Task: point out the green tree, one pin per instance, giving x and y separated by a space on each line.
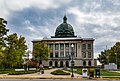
40 52
14 51
109 56
3 35
3 31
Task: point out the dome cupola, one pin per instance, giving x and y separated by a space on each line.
64 29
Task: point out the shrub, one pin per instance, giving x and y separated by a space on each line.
60 72
20 72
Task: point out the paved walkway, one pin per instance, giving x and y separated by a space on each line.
48 73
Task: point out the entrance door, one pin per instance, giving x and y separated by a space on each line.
67 64
61 63
56 64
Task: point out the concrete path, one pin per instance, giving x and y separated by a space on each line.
48 73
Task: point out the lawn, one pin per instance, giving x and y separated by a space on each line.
108 73
13 72
102 72
6 71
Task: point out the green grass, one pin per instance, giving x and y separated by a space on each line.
60 72
102 72
46 68
79 71
20 72
108 73
6 71
13 72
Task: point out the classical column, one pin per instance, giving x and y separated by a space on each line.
53 50
59 50
69 49
64 50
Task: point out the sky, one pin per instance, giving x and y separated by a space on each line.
98 19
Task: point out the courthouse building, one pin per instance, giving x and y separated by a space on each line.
61 51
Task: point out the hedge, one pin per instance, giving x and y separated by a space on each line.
60 72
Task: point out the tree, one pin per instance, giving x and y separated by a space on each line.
14 51
109 56
3 34
40 52
3 31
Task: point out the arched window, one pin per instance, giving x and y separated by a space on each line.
50 63
67 64
61 63
56 64
89 63
84 63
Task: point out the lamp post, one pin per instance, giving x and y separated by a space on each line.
116 58
72 53
28 59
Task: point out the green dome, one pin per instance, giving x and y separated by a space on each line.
64 29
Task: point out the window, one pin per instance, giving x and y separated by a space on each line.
56 46
89 54
84 54
89 63
67 47
56 54
67 54
51 46
61 54
50 63
84 46
84 63
61 46
51 55
61 63
67 63
89 46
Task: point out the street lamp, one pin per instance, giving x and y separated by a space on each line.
72 53
116 58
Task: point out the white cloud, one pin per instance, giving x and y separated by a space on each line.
103 26
7 6
98 18
95 18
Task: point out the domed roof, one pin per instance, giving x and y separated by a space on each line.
64 29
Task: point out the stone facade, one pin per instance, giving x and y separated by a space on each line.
61 50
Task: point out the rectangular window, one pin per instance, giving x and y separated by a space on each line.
67 54
89 54
56 54
89 46
84 54
61 46
61 54
56 46
66 46
51 55
84 46
51 46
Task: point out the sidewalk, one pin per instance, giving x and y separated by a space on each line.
47 75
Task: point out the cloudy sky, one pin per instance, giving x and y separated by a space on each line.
98 19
